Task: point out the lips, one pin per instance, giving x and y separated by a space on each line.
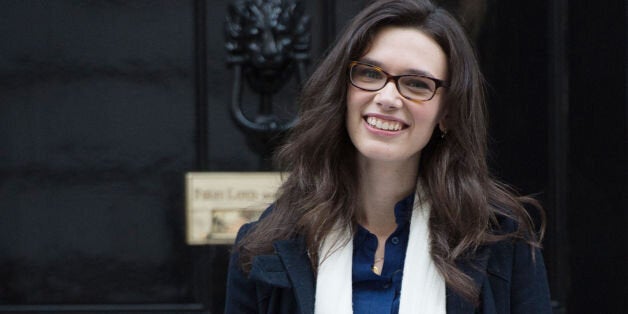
383 124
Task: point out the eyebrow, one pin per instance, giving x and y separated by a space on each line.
406 72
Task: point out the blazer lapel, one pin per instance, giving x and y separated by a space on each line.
297 264
476 269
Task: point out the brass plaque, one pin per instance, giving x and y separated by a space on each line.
219 203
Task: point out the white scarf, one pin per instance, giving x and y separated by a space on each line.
422 286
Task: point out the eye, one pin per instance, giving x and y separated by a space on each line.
368 73
417 83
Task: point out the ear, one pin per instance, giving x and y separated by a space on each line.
443 122
442 127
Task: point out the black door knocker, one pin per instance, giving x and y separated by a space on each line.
267 41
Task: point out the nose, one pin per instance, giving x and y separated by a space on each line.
388 97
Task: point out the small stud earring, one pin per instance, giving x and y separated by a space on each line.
443 134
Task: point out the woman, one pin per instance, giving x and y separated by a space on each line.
389 206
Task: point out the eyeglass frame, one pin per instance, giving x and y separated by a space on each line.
438 83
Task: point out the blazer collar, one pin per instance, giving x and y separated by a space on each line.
476 269
294 256
296 263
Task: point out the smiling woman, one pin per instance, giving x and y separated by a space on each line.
389 206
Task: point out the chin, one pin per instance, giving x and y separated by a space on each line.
386 155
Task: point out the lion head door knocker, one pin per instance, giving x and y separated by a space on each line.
267 41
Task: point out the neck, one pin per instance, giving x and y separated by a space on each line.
382 185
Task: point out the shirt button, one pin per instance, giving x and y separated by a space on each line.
394 240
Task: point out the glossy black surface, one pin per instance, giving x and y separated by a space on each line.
97 125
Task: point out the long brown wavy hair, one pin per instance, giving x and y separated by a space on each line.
322 188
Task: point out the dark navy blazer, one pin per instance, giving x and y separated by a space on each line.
283 282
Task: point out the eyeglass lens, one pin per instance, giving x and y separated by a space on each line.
410 86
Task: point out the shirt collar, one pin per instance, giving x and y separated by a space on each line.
403 209
403 213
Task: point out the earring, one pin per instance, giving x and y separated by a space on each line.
443 134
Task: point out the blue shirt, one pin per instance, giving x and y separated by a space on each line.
380 294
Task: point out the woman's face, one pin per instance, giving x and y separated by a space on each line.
383 125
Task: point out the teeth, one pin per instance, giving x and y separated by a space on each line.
384 124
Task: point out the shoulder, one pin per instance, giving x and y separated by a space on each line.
242 293
516 273
502 252
247 227
515 244
504 223
267 287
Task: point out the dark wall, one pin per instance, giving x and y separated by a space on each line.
518 92
598 150
557 99
100 108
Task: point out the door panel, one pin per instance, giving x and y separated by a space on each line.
96 130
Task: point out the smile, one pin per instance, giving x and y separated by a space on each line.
385 125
